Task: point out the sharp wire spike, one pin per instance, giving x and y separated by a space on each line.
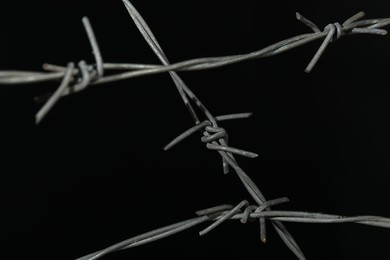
231 150
308 23
354 18
56 96
321 50
95 46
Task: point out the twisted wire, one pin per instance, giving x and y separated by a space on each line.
51 72
243 212
216 138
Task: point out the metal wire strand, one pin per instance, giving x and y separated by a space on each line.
219 214
202 125
352 25
220 134
56 96
95 46
86 75
228 215
148 237
212 62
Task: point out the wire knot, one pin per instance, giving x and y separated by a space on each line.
241 211
216 138
336 31
212 133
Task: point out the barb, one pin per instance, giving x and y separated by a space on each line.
222 213
56 96
74 80
335 31
202 125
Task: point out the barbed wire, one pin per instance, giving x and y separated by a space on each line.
243 212
75 79
93 74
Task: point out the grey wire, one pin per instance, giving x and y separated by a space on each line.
151 40
248 183
186 134
248 210
307 22
233 116
260 199
231 150
319 218
182 87
228 212
142 26
203 124
226 216
321 50
265 205
354 18
85 79
369 31
213 210
56 96
212 62
351 26
65 87
15 77
95 46
215 137
228 158
148 237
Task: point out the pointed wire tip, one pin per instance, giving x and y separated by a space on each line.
357 16
249 114
37 120
85 19
298 15
226 170
354 18
361 14
263 240
167 147
253 155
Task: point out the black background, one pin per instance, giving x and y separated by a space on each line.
93 172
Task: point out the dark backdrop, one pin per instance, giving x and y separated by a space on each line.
94 173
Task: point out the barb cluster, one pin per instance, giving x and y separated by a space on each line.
75 79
